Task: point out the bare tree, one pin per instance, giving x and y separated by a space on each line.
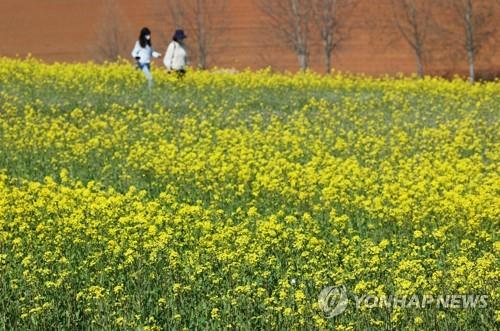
111 35
414 21
473 25
204 20
291 21
332 20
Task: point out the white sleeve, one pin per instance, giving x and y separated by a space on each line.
169 54
136 50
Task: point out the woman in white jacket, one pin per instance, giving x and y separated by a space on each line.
176 55
143 53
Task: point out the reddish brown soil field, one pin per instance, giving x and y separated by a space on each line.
61 30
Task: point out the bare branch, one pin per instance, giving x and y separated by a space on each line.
204 20
111 34
415 23
473 26
291 21
332 19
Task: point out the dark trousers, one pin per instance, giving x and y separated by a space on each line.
179 73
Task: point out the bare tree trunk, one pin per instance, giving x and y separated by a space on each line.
472 71
202 56
331 18
420 65
470 40
328 61
414 21
291 22
419 53
473 25
303 61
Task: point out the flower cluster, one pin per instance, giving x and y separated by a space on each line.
229 201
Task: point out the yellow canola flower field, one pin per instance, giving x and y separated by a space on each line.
230 201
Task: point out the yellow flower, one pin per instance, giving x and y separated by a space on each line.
232 187
215 313
299 296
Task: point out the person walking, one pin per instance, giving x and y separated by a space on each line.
143 53
176 55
